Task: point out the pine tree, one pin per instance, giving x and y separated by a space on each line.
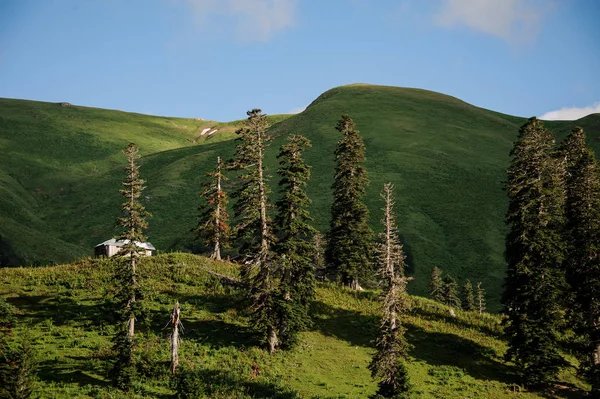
480 304
128 294
295 248
436 285
468 298
450 292
388 364
350 239
212 223
18 368
582 263
253 225
535 284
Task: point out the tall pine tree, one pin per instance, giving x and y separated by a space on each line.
582 263
468 298
450 292
349 246
388 364
436 285
212 223
535 284
127 290
253 225
295 247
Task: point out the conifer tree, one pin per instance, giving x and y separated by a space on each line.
18 368
582 263
436 285
128 294
212 223
253 224
468 298
535 284
388 364
450 292
480 304
295 247
350 239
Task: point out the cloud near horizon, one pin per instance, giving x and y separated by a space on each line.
512 20
296 110
571 113
253 19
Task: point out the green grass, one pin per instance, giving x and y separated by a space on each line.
61 169
63 309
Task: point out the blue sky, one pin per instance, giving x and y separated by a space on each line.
215 59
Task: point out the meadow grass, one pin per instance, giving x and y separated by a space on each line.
64 309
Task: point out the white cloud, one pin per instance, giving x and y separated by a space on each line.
253 19
296 110
570 114
513 20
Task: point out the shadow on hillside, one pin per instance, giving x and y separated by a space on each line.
223 382
435 348
443 316
443 349
61 310
217 332
565 391
354 327
68 373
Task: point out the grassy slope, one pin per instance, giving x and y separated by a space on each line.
447 160
61 169
62 309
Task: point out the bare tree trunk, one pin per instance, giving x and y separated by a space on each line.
217 251
389 261
355 285
596 356
272 339
133 282
175 324
263 201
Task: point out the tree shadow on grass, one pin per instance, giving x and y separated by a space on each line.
224 383
217 332
64 372
435 348
565 391
443 349
348 325
61 310
441 313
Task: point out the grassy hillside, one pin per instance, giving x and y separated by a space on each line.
61 169
62 309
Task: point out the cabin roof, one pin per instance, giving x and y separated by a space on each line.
119 243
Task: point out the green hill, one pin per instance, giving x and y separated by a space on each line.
62 310
61 169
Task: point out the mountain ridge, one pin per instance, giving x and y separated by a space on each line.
62 170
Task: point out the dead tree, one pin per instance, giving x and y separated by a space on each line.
388 364
176 325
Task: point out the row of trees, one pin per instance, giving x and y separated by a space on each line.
553 254
444 289
280 256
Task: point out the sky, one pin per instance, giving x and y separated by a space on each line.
216 59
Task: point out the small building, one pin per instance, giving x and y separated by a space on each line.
110 248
